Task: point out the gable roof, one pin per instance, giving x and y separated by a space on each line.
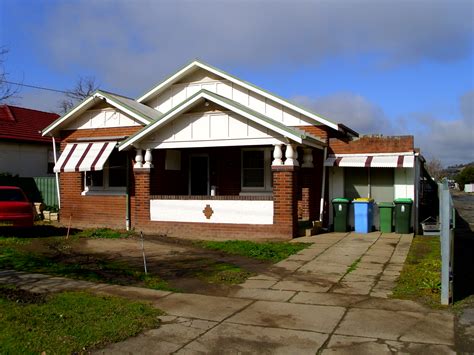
282 101
292 133
140 112
24 124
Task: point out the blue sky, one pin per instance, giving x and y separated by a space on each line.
390 67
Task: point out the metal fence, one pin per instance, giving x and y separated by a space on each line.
447 223
48 190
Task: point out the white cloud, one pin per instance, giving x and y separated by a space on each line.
449 140
132 44
353 110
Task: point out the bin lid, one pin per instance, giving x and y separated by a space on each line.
386 204
340 200
403 200
363 200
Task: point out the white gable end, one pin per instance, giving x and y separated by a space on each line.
102 118
211 129
195 81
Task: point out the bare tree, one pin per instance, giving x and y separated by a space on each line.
7 91
84 87
435 169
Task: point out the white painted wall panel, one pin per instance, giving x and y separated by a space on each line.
219 126
404 180
180 92
106 118
224 211
209 128
23 159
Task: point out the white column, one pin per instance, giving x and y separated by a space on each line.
291 155
138 159
277 155
307 158
148 159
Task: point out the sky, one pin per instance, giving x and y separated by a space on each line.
379 66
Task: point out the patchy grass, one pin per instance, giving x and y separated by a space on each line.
69 322
77 266
222 273
269 251
105 233
353 266
420 279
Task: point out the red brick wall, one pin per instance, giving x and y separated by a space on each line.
371 144
89 210
71 135
285 208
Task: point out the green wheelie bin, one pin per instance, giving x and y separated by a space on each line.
341 214
386 216
403 215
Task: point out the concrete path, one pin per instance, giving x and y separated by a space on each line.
329 298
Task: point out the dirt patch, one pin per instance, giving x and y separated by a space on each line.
21 296
180 264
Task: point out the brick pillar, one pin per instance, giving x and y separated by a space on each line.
285 206
142 197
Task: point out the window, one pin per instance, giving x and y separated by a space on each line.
256 170
112 179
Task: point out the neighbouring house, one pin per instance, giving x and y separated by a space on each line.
205 154
24 151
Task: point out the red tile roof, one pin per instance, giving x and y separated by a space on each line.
24 124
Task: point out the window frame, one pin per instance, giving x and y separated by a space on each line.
267 172
105 189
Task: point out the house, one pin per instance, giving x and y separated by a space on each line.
23 150
204 153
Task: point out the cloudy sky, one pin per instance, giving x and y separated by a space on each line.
390 67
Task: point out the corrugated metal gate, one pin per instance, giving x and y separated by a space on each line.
447 223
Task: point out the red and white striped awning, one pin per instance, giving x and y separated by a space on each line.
84 156
372 161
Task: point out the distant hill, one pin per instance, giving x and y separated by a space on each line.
453 170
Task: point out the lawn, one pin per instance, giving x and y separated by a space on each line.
269 251
420 279
69 322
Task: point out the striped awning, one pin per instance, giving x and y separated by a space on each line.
84 156
372 161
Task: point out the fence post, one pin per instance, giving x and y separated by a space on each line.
445 240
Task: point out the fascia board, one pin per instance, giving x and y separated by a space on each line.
82 106
166 118
245 114
202 94
244 84
165 83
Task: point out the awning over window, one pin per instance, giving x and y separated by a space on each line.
371 161
84 156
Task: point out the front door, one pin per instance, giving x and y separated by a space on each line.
199 175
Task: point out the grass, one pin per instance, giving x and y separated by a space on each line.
269 251
69 322
420 279
353 266
67 264
223 273
104 233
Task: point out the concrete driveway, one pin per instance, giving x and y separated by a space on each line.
328 298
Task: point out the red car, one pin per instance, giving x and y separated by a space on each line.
15 209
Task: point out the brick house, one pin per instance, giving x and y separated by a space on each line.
205 154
